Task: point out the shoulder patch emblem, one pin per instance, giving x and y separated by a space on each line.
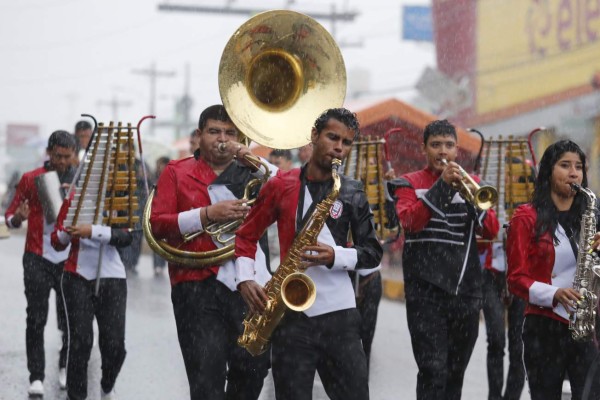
336 209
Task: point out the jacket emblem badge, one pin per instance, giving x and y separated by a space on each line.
336 209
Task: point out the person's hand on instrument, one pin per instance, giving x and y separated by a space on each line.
319 254
80 231
254 295
226 210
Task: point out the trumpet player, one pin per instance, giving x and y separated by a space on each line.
442 273
192 194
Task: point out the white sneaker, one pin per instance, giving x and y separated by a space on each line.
566 387
108 396
62 378
36 389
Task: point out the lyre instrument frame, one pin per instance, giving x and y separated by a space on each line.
368 161
94 132
109 183
505 164
477 165
530 144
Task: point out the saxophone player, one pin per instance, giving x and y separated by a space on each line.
324 338
191 194
542 249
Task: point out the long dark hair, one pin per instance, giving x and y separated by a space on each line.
547 213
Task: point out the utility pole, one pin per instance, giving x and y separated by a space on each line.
153 74
181 122
114 105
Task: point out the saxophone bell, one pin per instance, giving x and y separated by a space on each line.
298 291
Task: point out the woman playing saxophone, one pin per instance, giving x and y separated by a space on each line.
542 253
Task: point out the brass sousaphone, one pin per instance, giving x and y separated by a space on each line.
278 71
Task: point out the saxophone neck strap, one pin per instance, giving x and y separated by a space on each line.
322 189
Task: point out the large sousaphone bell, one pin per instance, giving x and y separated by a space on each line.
278 72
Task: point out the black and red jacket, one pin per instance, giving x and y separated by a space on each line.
279 201
440 233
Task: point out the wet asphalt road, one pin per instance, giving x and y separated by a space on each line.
154 368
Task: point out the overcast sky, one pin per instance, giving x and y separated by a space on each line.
61 58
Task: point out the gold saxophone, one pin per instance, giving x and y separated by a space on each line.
289 287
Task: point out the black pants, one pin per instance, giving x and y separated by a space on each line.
443 330
209 320
367 302
549 353
109 309
494 313
130 255
328 344
40 276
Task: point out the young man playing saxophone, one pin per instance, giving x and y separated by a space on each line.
324 338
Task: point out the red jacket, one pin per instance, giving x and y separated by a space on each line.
529 261
350 213
182 186
26 190
439 229
37 241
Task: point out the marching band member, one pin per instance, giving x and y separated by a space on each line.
501 309
324 338
191 194
91 244
42 265
442 273
542 248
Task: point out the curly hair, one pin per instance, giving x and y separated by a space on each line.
343 115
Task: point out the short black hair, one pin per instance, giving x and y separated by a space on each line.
163 160
439 127
216 112
343 115
61 139
82 126
281 153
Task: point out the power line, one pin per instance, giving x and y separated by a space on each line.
344 16
333 16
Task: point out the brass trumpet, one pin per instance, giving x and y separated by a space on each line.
482 197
